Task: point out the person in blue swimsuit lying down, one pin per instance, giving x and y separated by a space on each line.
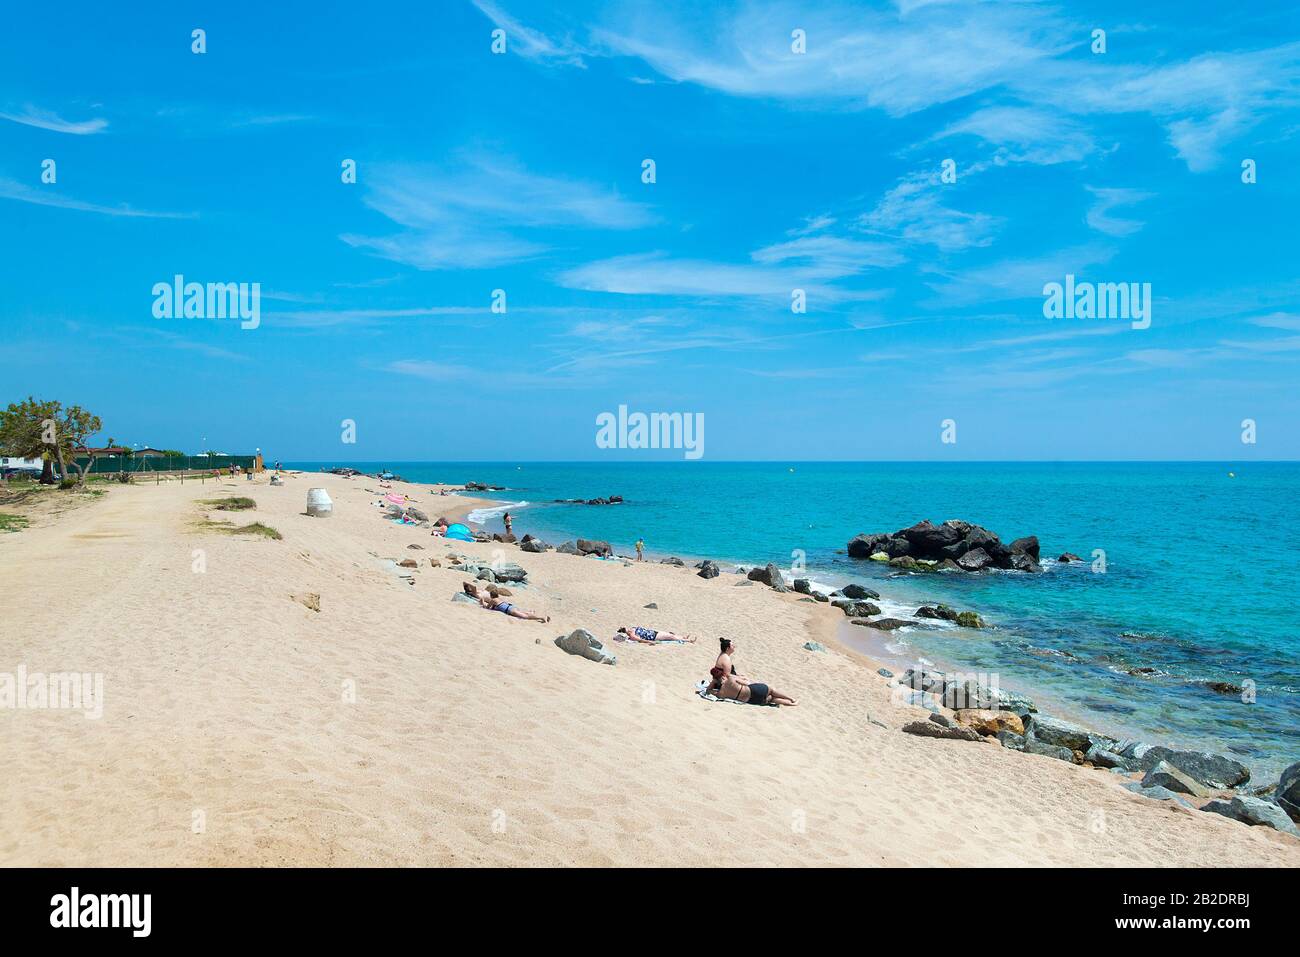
649 636
494 601
726 683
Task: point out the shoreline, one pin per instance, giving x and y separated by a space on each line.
323 709
833 628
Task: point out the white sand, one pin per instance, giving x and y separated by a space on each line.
473 739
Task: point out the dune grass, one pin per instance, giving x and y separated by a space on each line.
239 503
12 523
230 528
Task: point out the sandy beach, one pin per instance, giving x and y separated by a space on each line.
396 727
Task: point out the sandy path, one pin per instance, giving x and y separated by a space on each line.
472 739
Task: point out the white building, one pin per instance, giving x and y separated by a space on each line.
10 462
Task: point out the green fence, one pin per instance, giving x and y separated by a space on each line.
148 464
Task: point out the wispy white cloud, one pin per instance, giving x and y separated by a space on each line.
45 120
830 256
896 61
657 273
1099 218
914 211
531 43
1204 102
326 318
470 216
12 189
1017 278
1025 134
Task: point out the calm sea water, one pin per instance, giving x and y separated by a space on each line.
1198 580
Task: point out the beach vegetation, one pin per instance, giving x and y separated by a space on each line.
257 528
230 528
12 523
240 503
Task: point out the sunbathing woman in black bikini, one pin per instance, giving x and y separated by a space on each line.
727 684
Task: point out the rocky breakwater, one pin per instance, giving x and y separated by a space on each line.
952 546
963 709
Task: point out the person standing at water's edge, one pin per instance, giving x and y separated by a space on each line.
506 518
640 549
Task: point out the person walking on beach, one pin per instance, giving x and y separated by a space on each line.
640 549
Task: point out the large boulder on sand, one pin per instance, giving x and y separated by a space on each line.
510 572
1211 770
1253 811
583 643
708 569
929 729
589 547
1061 734
770 575
989 723
1167 776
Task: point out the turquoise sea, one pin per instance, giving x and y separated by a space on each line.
1198 581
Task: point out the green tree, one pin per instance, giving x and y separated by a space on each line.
24 429
32 427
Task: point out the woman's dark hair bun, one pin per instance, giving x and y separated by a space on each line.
724 644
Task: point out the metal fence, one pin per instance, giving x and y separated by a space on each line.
148 464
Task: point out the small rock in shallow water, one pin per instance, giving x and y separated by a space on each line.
1287 792
857 591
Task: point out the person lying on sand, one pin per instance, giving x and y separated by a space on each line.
493 601
650 636
727 684
745 691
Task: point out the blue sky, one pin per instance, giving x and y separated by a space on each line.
775 170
